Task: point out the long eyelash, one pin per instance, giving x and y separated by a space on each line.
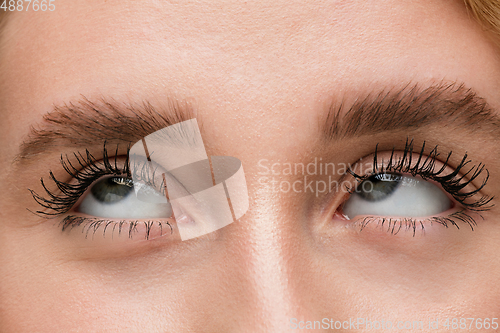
91 170
92 225
395 225
425 167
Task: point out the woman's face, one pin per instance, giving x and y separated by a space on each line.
283 87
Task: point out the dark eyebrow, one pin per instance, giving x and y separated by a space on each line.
86 123
411 107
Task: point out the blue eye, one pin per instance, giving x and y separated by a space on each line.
395 195
115 197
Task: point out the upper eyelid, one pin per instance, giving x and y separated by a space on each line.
405 159
84 171
454 178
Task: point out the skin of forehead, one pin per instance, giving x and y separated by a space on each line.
224 57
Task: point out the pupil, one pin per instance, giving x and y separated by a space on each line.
112 189
378 187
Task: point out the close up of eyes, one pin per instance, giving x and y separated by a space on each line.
407 192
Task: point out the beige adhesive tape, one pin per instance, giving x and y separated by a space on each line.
174 159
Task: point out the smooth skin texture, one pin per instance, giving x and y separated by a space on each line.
260 77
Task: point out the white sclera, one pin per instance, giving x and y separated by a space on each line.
130 207
412 198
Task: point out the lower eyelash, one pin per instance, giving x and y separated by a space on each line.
395 225
93 225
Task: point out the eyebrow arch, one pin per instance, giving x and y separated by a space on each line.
409 108
86 123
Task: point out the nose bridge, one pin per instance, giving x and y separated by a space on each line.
270 251
269 276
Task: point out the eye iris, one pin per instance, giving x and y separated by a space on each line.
378 187
113 189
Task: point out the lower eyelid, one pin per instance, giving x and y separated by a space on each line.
455 218
135 230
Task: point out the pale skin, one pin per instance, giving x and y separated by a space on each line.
259 77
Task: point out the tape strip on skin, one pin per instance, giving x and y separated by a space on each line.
174 158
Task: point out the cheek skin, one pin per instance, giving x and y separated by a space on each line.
406 277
